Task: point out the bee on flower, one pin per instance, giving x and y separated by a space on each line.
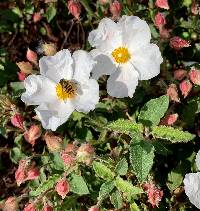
64 85
123 51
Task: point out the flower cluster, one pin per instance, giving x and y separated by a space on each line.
122 50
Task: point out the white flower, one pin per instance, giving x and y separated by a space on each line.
192 184
124 52
62 87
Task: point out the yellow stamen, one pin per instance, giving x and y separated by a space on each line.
121 55
66 89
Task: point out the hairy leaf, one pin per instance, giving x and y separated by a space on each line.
121 167
116 199
105 189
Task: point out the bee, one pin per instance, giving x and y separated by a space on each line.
68 87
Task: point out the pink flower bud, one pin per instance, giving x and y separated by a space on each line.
68 159
32 173
164 33
17 120
62 187
169 119
25 67
37 17
115 9
30 207
47 208
10 204
32 134
194 76
85 154
74 8
21 76
195 8
185 87
31 56
103 2
94 208
180 74
154 194
172 92
178 43
159 20
53 142
162 4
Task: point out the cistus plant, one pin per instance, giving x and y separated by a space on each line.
99 105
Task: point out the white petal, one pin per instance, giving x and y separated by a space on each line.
54 114
122 82
58 66
135 32
104 65
192 188
39 89
83 65
147 61
198 160
106 37
89 98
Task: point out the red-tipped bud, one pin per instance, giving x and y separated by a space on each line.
115 9
25 67
30 207
85 153
194 76
32 134
74 8
169 119
10 204
178 43
53 142
31 56
47 208
172 92
94 208
159 20
37 17
17 120
21 76
162 4
180 74
185 87
62 187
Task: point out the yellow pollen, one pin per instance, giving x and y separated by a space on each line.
66 89
121 55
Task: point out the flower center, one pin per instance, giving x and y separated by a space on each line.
121 55
66 89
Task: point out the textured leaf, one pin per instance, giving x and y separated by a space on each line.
116 199
45 185
154 110
122 167
160 148
134 207
50 14
127 187
78 185
16 155
125 126
105 189
171 134
103 171
141 158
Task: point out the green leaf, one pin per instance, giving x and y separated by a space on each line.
78 185
57 162
160 148
153 111
16 155
105 189
125 126
134 207
116 199
141 158
103 171
48 184
171 134
18 140
121 167
50 13
127 187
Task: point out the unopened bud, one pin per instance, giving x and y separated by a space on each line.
30 207
164 33
162 4
10 204
49 49
103 2
185 87
169 119
160 20
17 120
172 92
115 9
180 74
94 208
37 17
47 208
74 8
53 142
21 76
194 76
25 67
178 43
32 134
62 187
31 56
195 8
